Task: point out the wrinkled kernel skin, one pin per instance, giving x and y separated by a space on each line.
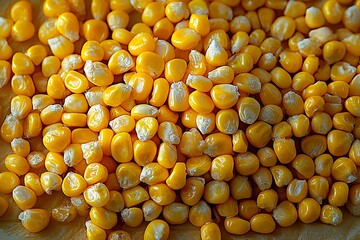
239 112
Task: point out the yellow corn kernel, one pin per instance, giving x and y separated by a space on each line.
153 173
239 142
222 168
285 214
36 53
283 28
336 147
122 36
140 43
300 125
246 163
20 147
54 162
205 122
94 29
61 46
5 29
95 172
5 69
318 188
201 102
216 192
262 178
262 223
160 92
128 175
162 194
285 149
309 210
310 64
73 184
22 30
93 231
17 164
116 94
344 121
56 88
50 65
271 114
175 70
144 152
92 50
11 128
259 134
151 210
267 156
64 213
224 91
158 228
99 10
163 29
270 94
95 113
176 213
165 50
124 123
20 106
122 139
57 139
267 200
22 64
98 73
119 234
241 62
116 202
50 182
198 166
82 208
177 178
178 97
120 62
200 213
185 39
34 220
68 26
9 181
76 82
36 159
92 152
103 218
281 174
134 196
110 47
304 166
5 50
297 190
248 208
40 82
97 195
24 197
211 230
193 190
331 215
350 105
151 64
176 11
192 144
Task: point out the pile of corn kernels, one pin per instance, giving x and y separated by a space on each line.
172 111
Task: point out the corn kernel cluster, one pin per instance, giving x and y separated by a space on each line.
174 111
